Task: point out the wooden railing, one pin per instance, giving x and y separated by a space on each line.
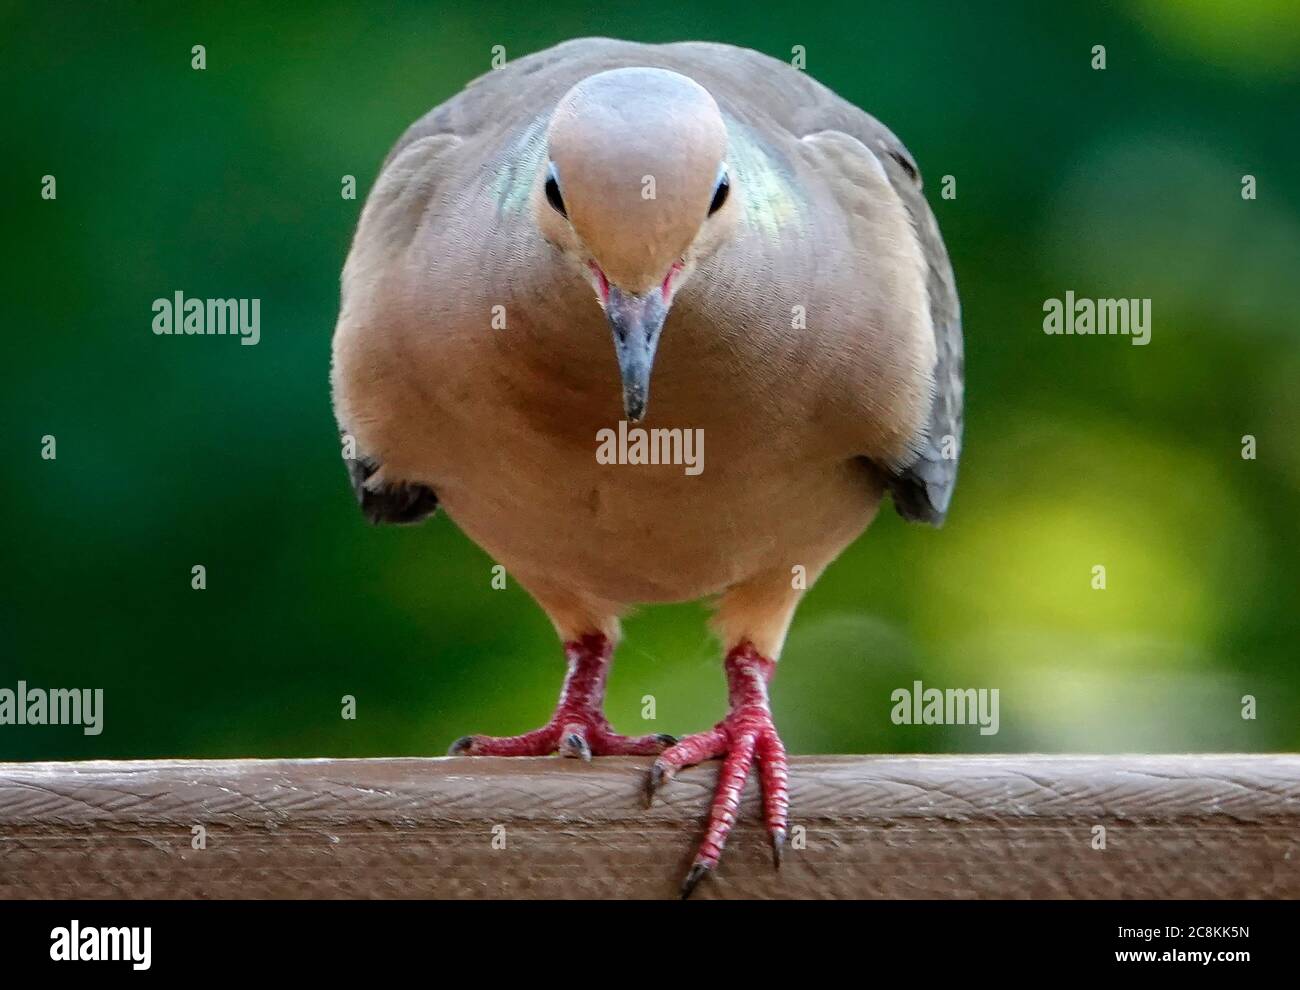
862 827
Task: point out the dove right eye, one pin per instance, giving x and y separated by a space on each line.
553 195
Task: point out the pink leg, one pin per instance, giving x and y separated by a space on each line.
746 735
579 727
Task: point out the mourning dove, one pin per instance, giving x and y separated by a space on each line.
583 223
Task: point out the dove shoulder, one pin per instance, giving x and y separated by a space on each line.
922 489
867 173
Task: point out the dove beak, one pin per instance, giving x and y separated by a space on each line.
635 321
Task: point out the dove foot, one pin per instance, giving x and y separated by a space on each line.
745 737
578 728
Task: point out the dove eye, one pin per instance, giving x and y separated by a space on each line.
720 194
553 194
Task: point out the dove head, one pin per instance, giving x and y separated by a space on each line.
635 191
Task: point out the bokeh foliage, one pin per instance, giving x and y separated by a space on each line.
225 182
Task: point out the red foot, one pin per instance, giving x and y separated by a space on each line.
579 727
745 735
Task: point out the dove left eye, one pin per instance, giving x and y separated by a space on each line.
720 194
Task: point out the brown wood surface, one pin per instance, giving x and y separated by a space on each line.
876 827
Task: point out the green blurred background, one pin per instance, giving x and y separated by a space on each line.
1079 451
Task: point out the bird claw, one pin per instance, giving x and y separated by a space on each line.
656 778
578 729
461 746
744 738
778 847
575 741
698 872
574 745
